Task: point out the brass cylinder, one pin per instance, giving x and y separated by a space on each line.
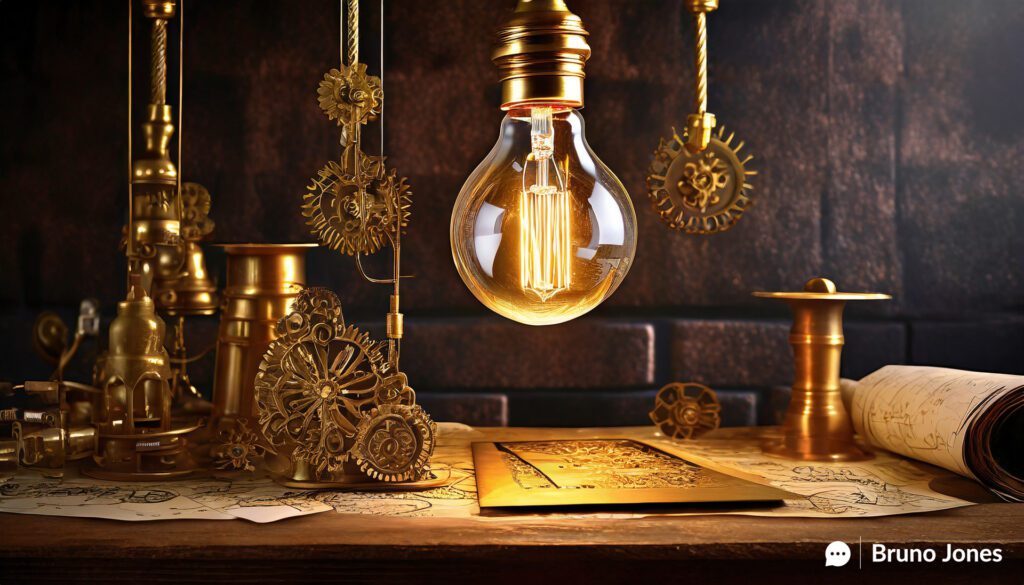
262 282
817 426
540 55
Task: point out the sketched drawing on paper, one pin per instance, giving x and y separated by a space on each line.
883 486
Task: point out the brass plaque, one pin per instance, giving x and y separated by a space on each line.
601 472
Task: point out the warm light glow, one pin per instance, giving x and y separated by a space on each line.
544 241
542 231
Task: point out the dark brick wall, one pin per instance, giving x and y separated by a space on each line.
887 136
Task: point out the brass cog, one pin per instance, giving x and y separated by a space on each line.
349 95
349 221
394 443
195 204
237 448
686 411
316 382
700 193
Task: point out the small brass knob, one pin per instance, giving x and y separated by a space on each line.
820 285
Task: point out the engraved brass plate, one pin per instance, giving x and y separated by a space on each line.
601 472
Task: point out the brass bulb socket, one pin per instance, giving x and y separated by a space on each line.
540 55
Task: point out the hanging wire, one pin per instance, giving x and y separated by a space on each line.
382 76
181 106
131 215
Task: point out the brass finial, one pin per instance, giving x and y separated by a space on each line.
540 54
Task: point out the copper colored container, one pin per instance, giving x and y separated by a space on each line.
262 281
817 426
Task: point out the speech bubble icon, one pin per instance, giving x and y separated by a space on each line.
837 554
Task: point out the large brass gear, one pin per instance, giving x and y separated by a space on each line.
350 220
349 96
704 192
394 443
316 382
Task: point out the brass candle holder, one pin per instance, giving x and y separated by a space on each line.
817 426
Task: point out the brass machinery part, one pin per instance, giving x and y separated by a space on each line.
540 54
356 216
686 410
154 230
45 437
332 404
817 426
189 290
697 182
356 205
237 448
700 193
136 437
49 336
262 281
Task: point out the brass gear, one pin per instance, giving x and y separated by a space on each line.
349 95
195 206
236 448
394 443
704 192
316 382
349 221
686 411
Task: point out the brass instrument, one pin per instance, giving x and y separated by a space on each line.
817 426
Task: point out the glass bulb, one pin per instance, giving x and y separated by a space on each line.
542 231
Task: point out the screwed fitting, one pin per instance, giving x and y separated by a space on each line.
540 55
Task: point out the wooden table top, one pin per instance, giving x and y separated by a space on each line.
329 546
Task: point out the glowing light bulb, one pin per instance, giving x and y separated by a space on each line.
542 231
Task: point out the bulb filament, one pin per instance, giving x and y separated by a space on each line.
545 248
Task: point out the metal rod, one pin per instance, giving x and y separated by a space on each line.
181 107
130 249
